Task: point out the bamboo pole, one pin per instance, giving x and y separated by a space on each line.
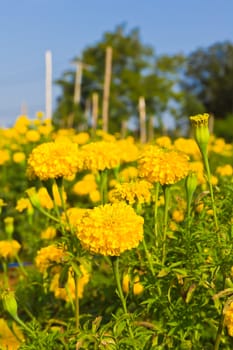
48 84
107 83
142 118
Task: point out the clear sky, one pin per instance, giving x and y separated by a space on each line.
30 27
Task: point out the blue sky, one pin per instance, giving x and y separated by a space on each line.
30 27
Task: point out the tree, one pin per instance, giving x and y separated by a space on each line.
208 80
135 72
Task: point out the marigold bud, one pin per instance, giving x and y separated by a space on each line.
9 303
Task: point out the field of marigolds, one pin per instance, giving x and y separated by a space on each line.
106 243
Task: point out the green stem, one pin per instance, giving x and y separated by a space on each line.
148 257
166 190
24 272
77 309
156 213
221 323
115 266
206 163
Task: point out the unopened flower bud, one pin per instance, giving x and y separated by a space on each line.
9 303
201 130
9 226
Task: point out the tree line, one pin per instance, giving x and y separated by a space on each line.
171 85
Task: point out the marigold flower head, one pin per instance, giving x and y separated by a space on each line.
228 320
22 204
225 170
53 160
48 256
110 229
18 157
73 216
163 165
164 141
9 248
132 192
137 286
128 150
85 186
10 339
4 156
128 174
67 292
32 136
49 233
100 155
46 201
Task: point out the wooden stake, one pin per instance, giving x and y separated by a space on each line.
107 83
142 118
48 84
95 110
78 80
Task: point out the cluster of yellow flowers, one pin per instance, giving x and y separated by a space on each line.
110 229
132 192
52 160
9 248
48 256
162 165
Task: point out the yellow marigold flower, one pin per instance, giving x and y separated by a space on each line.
45 129
137 286
178 215
164 141
110 229
4 156
45 199
18 157
49 256
128 151
162 165
85 186
100 156
2 203
49 233
73 216
188 146
39 114
214 180
228 320
81 138
52 160
9 248
197 167
68 292
22 204
225 170
132 192
129 173
95 196
32 136
10 340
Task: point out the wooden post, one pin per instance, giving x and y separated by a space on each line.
95 109
48 84
78 80
107 83
142 119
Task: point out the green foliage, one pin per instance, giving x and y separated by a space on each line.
209 79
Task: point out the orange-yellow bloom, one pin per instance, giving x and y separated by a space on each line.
110 229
